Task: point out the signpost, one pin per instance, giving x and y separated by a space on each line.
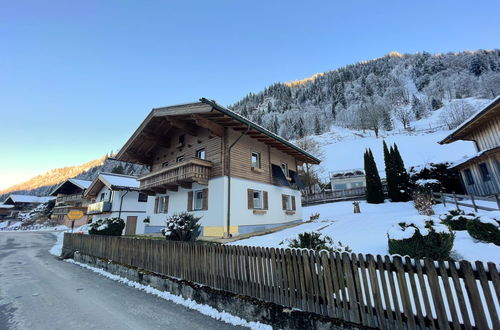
74 215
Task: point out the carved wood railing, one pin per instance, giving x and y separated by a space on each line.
194 170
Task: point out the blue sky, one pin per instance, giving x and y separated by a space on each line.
77 77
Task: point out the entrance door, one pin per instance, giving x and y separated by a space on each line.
130 225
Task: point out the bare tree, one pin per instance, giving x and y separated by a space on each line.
404 114
456 113
310 174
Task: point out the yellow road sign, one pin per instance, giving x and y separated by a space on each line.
75 215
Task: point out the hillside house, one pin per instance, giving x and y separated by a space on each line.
206 159
23 203
69 198
118 196
347 179
5 211
480 173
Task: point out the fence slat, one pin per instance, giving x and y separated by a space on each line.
405 295
385 290
413 285
367 291
473 293
483 279
377 294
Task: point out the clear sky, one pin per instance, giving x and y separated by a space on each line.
77 77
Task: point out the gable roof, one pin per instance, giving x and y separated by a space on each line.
12 199
81 184
205 113
481 116
113 182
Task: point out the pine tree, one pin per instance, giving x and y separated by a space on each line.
401 177
374 192
389 172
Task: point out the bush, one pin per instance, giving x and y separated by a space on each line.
423 202
315 241
107 227
422 237
457 219
182 226
484 229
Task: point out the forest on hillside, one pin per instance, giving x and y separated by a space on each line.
376 94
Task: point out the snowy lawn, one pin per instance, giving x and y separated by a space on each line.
367 232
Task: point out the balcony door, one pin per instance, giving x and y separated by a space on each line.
131 225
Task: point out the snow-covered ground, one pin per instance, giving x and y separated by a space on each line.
17 226
366 232
344 148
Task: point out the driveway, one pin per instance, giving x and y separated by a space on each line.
37 291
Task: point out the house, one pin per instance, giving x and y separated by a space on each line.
347 179
206 159
5 211
22 203
118 196
71 206
480 173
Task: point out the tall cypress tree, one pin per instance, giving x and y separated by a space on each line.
401 177
374 192
389 172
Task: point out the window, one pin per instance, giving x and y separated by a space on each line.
179 159
256 159
164 164
340 186
284 167
182 139
288 202
200 154
142 198
198 200
257 199
103 195
485 173
468 176
161 204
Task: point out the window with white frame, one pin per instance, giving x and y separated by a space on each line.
198 200
284 167
200 154
257 199
256 159
288 203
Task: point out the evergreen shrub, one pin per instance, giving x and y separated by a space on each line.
107 227
484 229
182 226
457 219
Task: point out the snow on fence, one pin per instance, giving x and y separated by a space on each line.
475 202
384 292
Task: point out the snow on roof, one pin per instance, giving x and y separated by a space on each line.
5 206
84 184
30 198
116 181
473 117
466 159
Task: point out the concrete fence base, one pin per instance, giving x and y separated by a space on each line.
247 308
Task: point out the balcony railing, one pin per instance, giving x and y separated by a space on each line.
70 199
63 210
99 207
194 170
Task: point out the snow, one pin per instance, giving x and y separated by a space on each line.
6 206
203 309
84 184
366 232
119 180
57 248
30 199
423 182
491 221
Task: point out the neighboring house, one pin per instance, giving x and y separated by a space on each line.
22 203
347 179
480 174
71 203
206 159
5 211
118 196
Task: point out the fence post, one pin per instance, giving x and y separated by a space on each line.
498 200
473 202
443 199
456 202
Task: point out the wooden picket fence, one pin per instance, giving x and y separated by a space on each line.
376 291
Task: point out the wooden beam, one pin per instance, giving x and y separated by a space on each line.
160 140
172 187
186 127
214 128
186 185
159 190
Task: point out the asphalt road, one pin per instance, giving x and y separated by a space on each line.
37 291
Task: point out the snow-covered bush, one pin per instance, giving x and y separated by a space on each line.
421 237
485 228
107 227
315 241
457 219
423 202
182 226
446 179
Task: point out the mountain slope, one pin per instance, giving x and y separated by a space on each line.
376 95
42 184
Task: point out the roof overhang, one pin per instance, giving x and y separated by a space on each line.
207 114
64 184
100 182
481 117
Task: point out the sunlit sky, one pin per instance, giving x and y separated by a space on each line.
77 77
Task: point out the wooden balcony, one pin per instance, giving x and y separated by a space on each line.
181 174
99 207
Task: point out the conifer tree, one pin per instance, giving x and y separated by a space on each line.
374 192
401 177
390 173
